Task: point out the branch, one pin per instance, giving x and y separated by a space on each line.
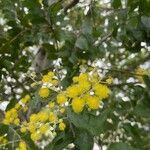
122 71
105 38
70 5
124 84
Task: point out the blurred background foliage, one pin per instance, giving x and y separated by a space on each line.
114 34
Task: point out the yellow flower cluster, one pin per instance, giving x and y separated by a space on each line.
61 98
62 126
50 78
87 90
11 116
41 123
44 92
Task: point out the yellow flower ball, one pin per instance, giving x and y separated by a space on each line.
75 79
17 106
46 79
22 145
92 102
16 121
62 110
102 91
52 117
35 136
33 118
51 105
43 128
61 98
83 77
43 116
109 80
72 91
51 74
44 92
32 127
62 126
78 105
23 129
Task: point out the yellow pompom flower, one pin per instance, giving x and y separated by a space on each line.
61 98
27 97
109 80
72 91
62 110
83 86
83 77
75 79
43 116
10 119
54 82
22 145
102 91
43 128
32 127
33 118
92 102
52 117
33 84
62 126
35 136
44 92
17 106
46 79
51 105
23 129
78 105
51 74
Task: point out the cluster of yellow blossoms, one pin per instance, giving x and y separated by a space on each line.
87 90
11 116
48 80
43 124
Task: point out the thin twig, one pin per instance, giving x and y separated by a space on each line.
122 71
104 38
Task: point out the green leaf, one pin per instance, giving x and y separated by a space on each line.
87 27
146 21
82 43
147 82
11 104
93 124
116 4
7 64
84 140
60 142
142 111
73 58
3 129
120 146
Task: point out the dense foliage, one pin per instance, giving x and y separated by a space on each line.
92 83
